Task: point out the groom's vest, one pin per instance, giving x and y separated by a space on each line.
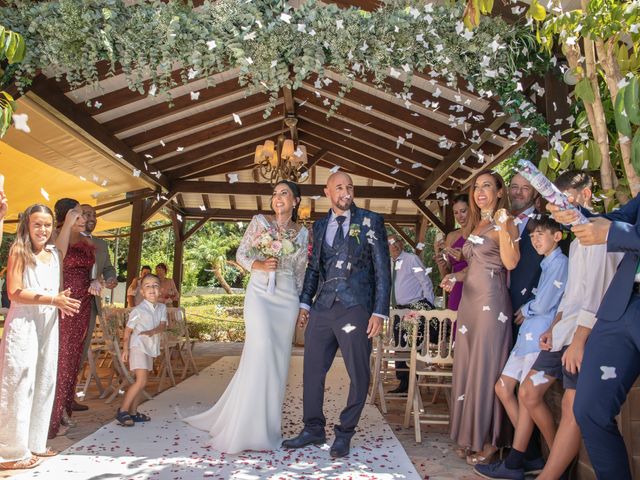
335 272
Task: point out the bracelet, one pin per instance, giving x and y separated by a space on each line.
52 299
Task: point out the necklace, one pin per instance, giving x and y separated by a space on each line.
488 215
283 225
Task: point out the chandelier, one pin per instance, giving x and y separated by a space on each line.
283 159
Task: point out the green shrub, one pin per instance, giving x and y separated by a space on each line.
223 300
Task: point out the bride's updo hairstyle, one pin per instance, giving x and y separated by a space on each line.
295 189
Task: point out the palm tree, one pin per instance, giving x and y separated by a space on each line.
215 246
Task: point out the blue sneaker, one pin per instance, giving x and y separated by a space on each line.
533 467
498 470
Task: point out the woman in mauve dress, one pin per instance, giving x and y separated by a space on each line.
483 337
448 254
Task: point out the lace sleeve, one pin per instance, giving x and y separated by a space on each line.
300 258
242 256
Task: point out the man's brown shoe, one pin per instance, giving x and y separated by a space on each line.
78 407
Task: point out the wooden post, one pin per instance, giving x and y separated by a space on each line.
178 252
447 213
135 240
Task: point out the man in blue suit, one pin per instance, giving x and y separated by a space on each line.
611 362
345 298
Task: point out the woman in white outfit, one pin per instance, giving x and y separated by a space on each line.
29 348
248 414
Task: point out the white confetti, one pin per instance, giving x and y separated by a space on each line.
399 264
202 207
136 172
348 328
420 246
460 398
152 90
476 239
339 24
97 104
523 291
463 329
557 284
179 149
179 217
194 95
334 169
285 17
538 378
417 269
486 308
212 44
366 222
608 372
529 337
236 118
250 36
502 317
503 216
44 193
191 74
416 165
162 143
534 290
339 264
233 177
118 155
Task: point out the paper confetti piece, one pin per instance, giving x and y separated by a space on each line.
366 222
136 172
202 207
334 169
557 284
538 378
44 193
463 329
420 246
486 308
348 328
211 44
194 95
233 177
236 118
502 317
285 17
398 264
476 239
339 264
417 269
608 373
460 398
529 337
523 291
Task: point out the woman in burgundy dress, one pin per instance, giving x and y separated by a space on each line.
449 255
76 272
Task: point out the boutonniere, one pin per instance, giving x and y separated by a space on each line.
354 231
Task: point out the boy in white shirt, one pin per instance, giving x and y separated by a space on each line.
141 344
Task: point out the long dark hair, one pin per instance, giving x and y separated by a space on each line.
474 210
63 206
295 189
22 248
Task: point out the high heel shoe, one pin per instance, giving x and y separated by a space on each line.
487 455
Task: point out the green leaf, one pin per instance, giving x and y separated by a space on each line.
622 120
584 91
595 157
635 152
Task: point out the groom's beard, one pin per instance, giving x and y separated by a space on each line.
344 203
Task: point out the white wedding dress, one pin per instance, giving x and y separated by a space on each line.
248 414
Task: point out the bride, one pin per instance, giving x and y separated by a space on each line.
248 414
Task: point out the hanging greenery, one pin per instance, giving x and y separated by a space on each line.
274 45
12 49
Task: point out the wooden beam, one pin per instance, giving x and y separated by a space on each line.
452 162
242 163
421 232
319 155
403 234
124 235
198 225
135 240
430 215
245 188
115 208
214 133
160 203
127 200
224 214
367 202
178 104
50 93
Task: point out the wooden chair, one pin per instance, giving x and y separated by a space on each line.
430 365
389 348
176 343
97 349
112 322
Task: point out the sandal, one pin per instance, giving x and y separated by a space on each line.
140 417
49 452
124 418
21 464
462 452
482 458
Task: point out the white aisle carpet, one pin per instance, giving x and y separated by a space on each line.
167 448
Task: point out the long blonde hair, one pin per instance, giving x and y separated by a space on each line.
22 248
474 210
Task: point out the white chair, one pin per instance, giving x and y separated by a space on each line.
389 348
430 366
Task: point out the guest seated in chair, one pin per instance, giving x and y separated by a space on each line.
411 288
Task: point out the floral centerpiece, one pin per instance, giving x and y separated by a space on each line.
273 242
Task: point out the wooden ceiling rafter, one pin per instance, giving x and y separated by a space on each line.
47 91
164 156
178 130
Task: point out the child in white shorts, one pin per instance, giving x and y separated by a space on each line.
141 345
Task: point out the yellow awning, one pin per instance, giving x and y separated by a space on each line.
29 181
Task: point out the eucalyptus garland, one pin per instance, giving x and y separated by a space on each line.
274 45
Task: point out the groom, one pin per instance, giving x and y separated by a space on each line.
349 276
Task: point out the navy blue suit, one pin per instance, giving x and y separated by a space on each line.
611 361
346 285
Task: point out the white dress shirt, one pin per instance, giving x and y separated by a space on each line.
412 282
591 270
146 316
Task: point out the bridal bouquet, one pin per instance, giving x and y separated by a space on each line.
275 243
